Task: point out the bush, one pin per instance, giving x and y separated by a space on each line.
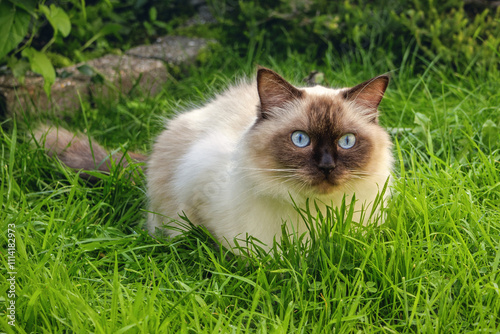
452 33
458 34
37 36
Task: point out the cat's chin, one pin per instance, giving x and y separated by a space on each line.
325 187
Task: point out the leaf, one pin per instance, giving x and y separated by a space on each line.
19 67
41 64
14 27
97 78
371 287
64 74
58 19
200 301
490 133
422 120
424 124
110 28
89 70
85 69
153 14
58 60
27 5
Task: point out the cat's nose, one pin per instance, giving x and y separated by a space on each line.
326 164
326 169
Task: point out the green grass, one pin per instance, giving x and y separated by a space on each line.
85 265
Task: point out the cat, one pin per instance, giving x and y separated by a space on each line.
239 164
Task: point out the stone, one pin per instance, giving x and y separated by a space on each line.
140 68
19 98
173 50
124 73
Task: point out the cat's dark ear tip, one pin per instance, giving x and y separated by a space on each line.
262 69
385 77
382 81
266 74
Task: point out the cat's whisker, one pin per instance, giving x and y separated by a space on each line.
289 170
358 177
262 189
360 172
278 181
259 175
348 188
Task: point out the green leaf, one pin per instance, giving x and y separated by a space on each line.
85 69
490 133
110 28
97 78
14 27
58 60
424 125
27 5
422 120
58 19
19 67
94 76
41 64
153 14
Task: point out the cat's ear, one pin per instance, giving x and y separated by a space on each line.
368 94
274 91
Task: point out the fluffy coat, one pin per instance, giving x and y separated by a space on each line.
231 167
237 164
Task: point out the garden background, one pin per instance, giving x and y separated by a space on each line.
83 262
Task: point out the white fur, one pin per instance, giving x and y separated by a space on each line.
199 167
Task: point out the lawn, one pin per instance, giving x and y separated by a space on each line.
83 262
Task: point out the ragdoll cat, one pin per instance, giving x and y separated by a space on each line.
235 164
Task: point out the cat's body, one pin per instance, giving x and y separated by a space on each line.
235 164
210 180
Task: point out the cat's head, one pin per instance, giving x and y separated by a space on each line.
318 140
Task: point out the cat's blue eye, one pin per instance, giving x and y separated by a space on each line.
300 139
347 141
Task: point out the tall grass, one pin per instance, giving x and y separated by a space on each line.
84 264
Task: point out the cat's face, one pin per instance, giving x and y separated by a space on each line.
318 140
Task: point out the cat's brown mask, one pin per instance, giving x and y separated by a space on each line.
326 162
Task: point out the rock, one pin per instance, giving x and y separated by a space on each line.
30 95
123 73
142 67
204 14
170 49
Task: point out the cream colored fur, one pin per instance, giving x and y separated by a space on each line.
208 166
